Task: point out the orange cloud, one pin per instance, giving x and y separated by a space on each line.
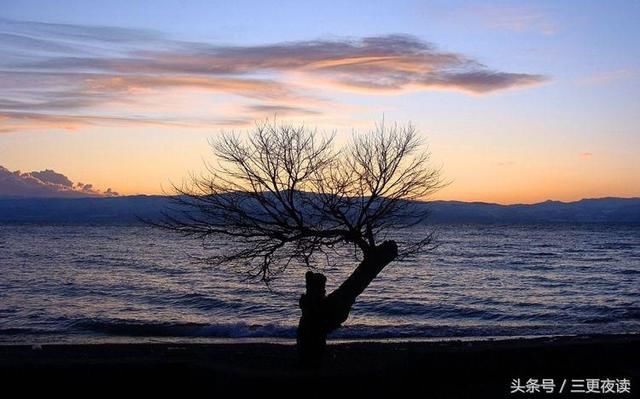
19 121
252 88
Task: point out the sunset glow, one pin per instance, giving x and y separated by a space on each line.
518 102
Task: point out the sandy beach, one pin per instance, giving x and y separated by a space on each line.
433 369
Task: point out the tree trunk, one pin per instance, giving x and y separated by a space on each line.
322 314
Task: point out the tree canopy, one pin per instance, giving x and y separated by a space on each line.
286 194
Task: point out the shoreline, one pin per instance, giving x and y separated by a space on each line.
445 367
71 340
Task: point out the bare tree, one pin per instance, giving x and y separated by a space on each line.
287 197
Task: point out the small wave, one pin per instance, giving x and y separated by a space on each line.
25 331
438 311
205 302
616 316
597 259
144 329
442 331
543 254
616 245
243 330
627 272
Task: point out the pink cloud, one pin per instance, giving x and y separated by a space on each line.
70 88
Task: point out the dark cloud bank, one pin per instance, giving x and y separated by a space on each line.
45 184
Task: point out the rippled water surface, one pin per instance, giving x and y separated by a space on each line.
80 282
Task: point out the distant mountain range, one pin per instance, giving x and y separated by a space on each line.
128 210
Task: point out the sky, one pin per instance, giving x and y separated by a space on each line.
519 102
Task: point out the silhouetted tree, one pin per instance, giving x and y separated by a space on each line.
284 195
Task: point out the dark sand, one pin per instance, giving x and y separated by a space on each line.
425 370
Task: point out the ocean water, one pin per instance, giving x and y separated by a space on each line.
84 283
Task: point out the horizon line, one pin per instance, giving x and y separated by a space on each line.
10 197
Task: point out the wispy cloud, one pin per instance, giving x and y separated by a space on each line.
609 76
283 110
66 75
515 18
11 121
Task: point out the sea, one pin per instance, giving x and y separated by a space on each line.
137 283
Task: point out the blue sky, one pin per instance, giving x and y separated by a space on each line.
546 105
